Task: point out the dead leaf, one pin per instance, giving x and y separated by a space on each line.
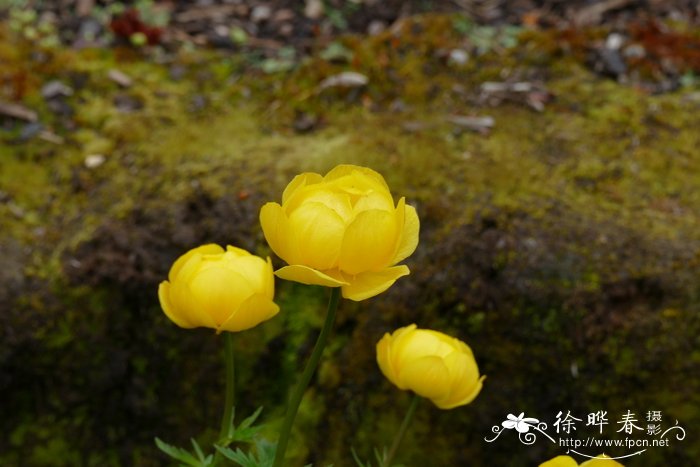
17 111
346 79
478 124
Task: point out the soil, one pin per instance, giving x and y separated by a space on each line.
275 23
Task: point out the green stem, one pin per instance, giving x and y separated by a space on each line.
227 419
295 399
402 432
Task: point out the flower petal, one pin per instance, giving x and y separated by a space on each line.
398 340
164 297
323 194
408 238
300 181
279 236
177 267
186 307
601 461
380 200
269 288
373 178
318 231
427 376
369 242
384 358
418 344
253 311
219 292
466 383
237 252
369 284
307 275
560 461
252 269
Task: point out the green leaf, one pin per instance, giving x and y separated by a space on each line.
266 452
250 420
357 459
245 435
336 52
238 35
204 460
178 454
231 426
239 457
264 455
380 457
287 53
273 65
245 432
197 449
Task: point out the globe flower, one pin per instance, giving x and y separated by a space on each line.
560 461
341 230
431 364
601 461
567 461
228 290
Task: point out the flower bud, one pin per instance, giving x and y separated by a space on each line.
431 364
341 230
228 290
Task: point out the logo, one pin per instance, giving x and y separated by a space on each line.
633 437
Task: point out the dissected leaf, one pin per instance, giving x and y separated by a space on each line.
250 420
178 453
357 459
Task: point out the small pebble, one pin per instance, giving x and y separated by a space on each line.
221 30
126 103
376 27
261 13
313 9
177 72
614 41
283 15
94 160
346 79
634 51
55 88
286 30
458 57
30 130
121 78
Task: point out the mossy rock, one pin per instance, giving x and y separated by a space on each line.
563 246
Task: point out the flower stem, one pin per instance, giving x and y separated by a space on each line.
402 431
298 394
227 419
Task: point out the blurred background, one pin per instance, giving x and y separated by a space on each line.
550 148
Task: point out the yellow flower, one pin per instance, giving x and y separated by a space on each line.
601 461
228 290
341 230
560 461
567 461
431 364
